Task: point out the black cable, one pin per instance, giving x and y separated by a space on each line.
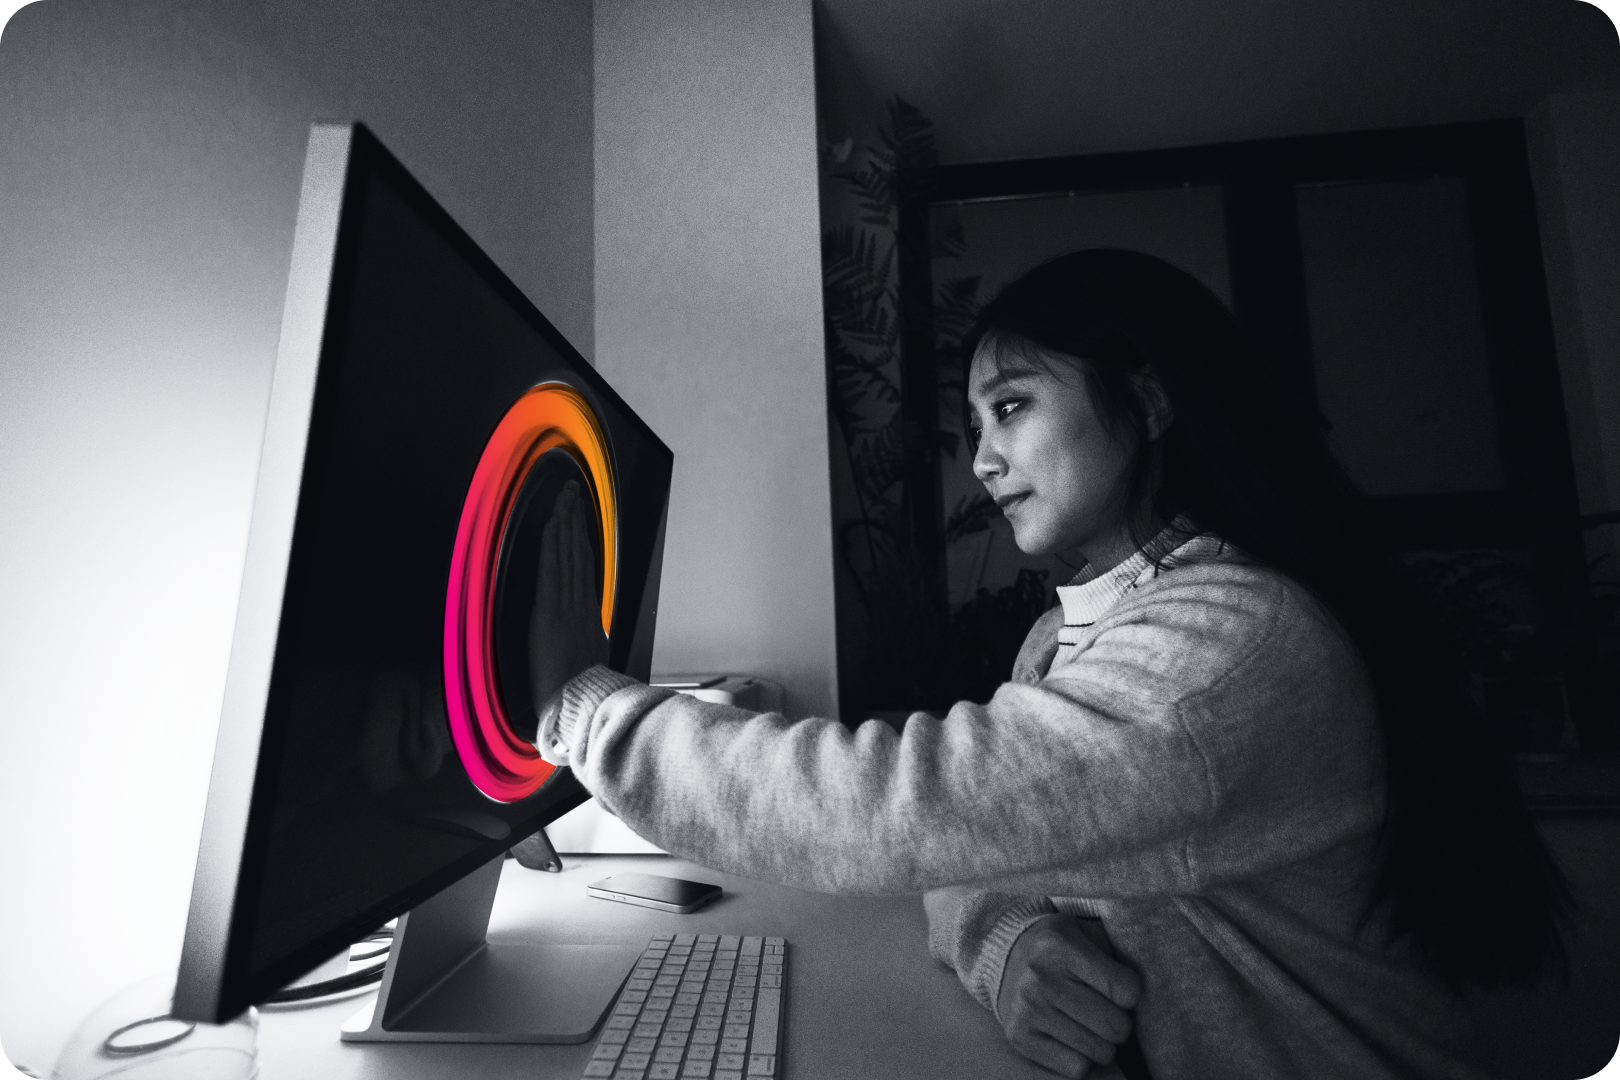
327 986
342 982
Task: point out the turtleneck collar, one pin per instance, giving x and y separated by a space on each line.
1089 595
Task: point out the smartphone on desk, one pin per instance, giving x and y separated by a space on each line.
651 891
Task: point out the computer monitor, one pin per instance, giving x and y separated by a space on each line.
373 748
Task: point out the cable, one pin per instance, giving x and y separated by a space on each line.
327 986
341 983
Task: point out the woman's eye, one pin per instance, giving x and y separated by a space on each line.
1004 408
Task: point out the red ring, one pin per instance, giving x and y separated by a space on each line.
500 763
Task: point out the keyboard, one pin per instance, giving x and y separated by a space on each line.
706 1006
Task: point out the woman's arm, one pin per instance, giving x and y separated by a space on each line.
1048 782
1198 712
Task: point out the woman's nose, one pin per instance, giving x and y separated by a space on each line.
987 461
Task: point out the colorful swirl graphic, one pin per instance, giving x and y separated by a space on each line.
550 416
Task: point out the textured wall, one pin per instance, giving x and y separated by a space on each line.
150 153
708 320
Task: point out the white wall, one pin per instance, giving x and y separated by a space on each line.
708 321
149 165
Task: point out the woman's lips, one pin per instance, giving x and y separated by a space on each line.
1011 502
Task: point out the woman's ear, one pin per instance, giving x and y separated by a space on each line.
1159 413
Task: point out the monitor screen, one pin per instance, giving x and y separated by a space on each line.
375 740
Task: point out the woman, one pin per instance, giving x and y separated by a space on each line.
1232 749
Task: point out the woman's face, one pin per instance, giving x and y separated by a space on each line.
1047 460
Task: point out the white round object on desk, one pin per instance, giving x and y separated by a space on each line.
129 1036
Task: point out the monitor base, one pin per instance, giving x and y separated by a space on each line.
446 983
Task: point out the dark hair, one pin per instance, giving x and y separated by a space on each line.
1461 871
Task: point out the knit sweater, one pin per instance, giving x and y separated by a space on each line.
1198 768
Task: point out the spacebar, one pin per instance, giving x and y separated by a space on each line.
767 1010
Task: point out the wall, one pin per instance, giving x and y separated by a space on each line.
150 153
708 321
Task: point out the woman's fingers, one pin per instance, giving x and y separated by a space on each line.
1053 1056
1088 963
1079 1039
1056 1023
1080 1004
567 514
546 595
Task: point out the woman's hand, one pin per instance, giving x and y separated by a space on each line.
565 627
1064 1001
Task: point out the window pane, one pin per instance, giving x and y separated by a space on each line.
1398 335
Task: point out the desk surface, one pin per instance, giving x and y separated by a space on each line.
864 997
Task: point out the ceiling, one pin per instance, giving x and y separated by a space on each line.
1033 78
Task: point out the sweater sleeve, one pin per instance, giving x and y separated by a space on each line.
972 931
1094 782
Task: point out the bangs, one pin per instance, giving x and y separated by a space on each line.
1010 354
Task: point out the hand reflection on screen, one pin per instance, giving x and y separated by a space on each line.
406 735
565 628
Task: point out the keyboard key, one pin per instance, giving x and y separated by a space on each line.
607 1052
728 1074
669 1055
712 1023
767 1015
623 1022
770 980
734 1046
699 1070
635 1061
735 1031
761 1065
665 1071
706 1036
599 1068
641 1046
673 1038
616 1037
751 946
678 1023
685 939
683 1009
729 1061
634 1074
700 1052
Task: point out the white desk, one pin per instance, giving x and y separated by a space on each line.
864 997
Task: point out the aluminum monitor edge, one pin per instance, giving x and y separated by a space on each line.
264 575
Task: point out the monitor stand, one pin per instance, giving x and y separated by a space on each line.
445 982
